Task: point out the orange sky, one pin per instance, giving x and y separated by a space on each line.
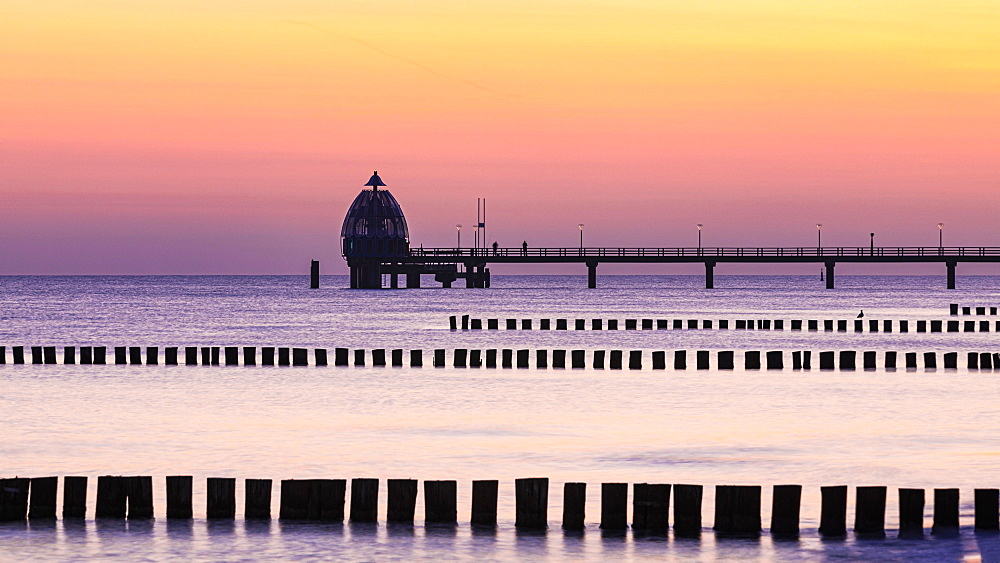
230 136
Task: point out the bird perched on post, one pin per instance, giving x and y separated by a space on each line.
861 314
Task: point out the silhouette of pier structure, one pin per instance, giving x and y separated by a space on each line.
375 242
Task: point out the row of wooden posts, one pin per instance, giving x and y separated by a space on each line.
968 310
828 325
737 507
510 358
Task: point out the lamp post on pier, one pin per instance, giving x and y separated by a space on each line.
819 238
459 229
581 235
872 235
940 236
699 225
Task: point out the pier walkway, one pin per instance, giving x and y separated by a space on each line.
443 261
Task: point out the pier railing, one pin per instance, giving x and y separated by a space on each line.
720 251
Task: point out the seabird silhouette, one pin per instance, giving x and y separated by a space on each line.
861 314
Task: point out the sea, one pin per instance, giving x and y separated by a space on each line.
903 428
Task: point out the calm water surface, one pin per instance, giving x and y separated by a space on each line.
904 428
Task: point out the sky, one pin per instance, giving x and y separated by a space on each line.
230 136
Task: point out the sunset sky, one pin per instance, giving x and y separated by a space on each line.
230 136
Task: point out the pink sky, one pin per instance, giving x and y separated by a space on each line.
230 137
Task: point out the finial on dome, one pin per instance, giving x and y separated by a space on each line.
375 181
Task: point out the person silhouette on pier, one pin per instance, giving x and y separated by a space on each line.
861 314
524 248
495 247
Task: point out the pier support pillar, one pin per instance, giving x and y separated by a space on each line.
413 280
592 275
829 275
709 275
394 281
470 276
951 274
366 274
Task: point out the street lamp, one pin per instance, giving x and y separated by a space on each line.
459 229
475 230
699 225
581 235
873 243
819 236
940 236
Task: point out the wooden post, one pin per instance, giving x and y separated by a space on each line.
826 360
339 356
190 356
313 499
828 325
441 502
541 359
170 355
737 509
579 324
936 326
953 307
775 360
679 324
14 499
635 359
119 356
215 355
723 324
921 326
659 359
872 325
930 360
319 356
511 324
806 359
687 510
833 511
452 322
945 512
402 500
49 354
484 503
559 359
887 325
507 358
523 358
378 357
869 359
459 357
869 512
525 324
232 355
86 355
179 491
74 497
396 357
692 324
987 510
100 355
890 360
726 359
561 324
612 324
139 495
796 360
18 354
359 357
579 358
848 359
531 501
257 499
574 506
42 499
313 278
751 359
911 513
221 501
597 324
492 324
785 506
416 358
631 324
614 506
284 358
69 355
475 358
951 360
904 326
616 359
702 359
973 360
911 360
650 507
491 358
111 497
152 353
984 326
680 359
647 324
364 500
439 360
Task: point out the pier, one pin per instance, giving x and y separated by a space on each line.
476 261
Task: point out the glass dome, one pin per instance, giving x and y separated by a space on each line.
375 226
